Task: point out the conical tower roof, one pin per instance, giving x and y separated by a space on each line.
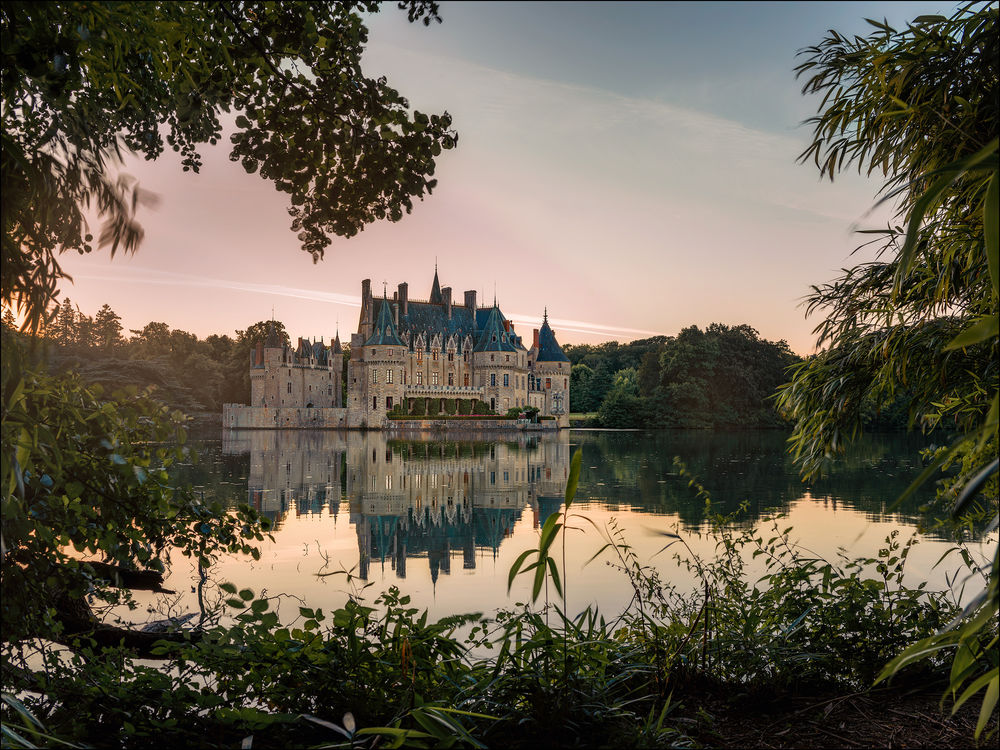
385 330
548 348
493 337
436 298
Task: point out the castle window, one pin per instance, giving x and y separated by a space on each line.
289 386
420 378
402 376
434 378
493 378
451 356
374 402
388 376
491 358
548 383
451 378
565 383
506 380
374 376
494 338
388 402
434 355
329 390
466 380
374 352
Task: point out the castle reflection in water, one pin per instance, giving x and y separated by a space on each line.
420 497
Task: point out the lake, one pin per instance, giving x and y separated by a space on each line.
443 518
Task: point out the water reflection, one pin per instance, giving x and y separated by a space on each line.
455 502
433 499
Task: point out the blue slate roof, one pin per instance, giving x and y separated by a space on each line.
494 337
385 329
548 348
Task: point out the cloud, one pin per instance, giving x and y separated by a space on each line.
188 281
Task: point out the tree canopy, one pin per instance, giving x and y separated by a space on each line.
918 106
84 83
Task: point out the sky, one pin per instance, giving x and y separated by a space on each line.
630 167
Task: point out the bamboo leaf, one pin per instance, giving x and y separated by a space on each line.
983 329
991 230
574 476
516 567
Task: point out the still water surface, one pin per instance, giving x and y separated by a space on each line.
444 519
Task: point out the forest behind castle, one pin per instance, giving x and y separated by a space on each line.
722 377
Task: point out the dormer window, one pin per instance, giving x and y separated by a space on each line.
494 338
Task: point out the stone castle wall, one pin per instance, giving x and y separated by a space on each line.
240 417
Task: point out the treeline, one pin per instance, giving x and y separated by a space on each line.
717 378
190 374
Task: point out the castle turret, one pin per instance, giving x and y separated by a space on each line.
551 369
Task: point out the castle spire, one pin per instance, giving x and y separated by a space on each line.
436 298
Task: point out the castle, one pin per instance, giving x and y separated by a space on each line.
408 357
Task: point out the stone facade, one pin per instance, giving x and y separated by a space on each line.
405 350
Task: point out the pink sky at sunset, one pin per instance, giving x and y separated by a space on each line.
632 169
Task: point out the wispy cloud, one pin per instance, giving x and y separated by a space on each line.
189 281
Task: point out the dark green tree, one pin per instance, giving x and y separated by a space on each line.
107 329
84 82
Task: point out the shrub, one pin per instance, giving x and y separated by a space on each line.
449 406
464 406
433 407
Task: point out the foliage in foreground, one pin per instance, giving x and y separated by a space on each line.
922 107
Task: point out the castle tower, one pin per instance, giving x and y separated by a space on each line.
376 376
551 370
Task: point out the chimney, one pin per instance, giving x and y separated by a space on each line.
403 296
366 302
534 338
260 353
506 326
395 313
446 298
470 303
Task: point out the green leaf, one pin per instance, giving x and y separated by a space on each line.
574 476
989 703
517 567
991 230
229 588
555 575
246 595
983 329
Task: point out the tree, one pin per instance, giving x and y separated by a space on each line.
107 329
579 383
85 82
920 106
